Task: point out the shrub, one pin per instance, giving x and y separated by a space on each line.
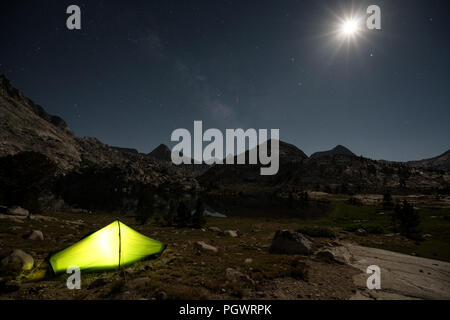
374 229
170 217
25 177
317 232
407 220
351 228
94 188
198 219
183 217
146 205
354 202
388 204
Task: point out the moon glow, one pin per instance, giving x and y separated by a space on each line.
349 27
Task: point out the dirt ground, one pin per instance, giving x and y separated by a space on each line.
182 271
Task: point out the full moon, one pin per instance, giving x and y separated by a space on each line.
349 27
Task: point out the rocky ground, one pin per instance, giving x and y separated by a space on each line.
230 258
203 263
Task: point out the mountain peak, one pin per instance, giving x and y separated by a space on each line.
338 150
8 91
162 152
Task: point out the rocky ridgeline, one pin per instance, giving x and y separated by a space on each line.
335 173
441 162
25 126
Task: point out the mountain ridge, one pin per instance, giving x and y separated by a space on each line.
25 126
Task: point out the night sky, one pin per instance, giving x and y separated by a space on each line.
137 70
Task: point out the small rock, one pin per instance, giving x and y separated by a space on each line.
129 271
100 282
36 235
234 275
161 295
214 229
287 242
205 247
326 256
16 219
138 282
248 261
17 211
231 233
39 217
361 232
18 260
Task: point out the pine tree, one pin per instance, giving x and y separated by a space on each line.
183 215
387 201
198 219
146 206
408 220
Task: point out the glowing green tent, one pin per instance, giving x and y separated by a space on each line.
111 247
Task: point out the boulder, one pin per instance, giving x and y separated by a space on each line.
36 235
206 247
287 242
18 260
17 211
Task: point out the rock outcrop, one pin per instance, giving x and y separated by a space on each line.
18 260
287 242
